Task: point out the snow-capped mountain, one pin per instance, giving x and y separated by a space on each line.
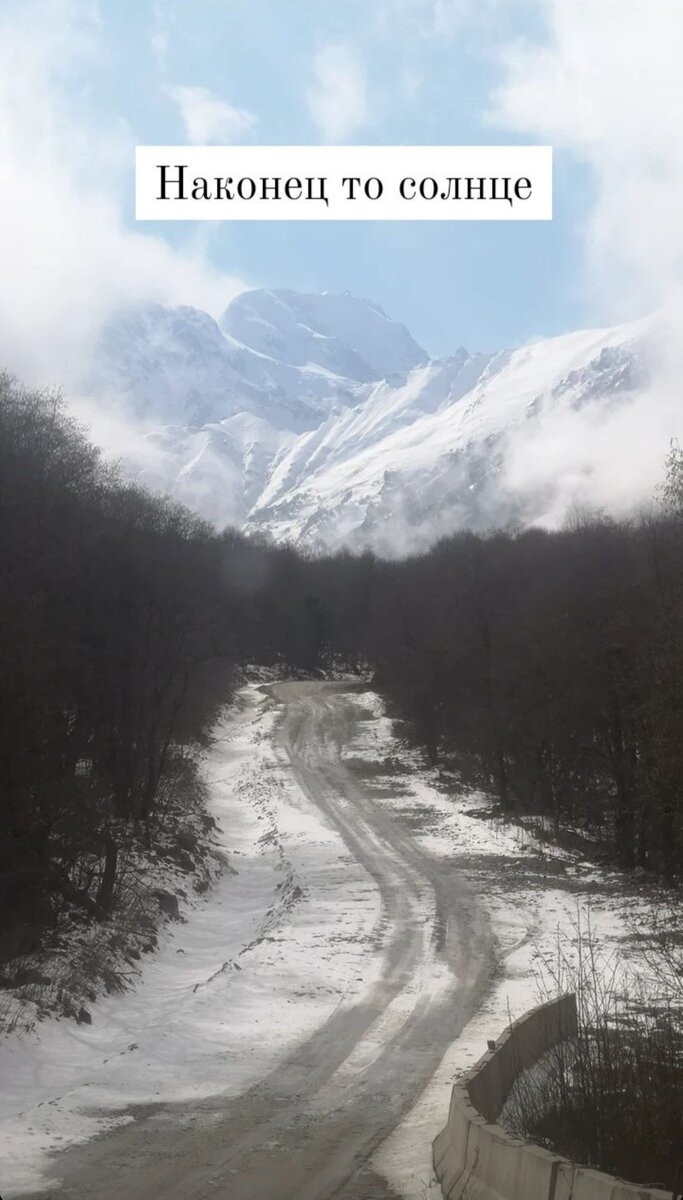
320 420
287 358
332 337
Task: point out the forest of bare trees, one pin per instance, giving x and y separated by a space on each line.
124 621
546 668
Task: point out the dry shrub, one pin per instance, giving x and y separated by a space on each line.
612 1097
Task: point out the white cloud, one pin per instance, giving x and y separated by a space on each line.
67 258
446 18
605 83
339 100
434 19
411 84
209 120
158 38
609 456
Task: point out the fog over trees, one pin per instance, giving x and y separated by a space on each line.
544 667
122 625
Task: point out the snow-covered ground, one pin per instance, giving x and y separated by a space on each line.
535 894
288 935
257 965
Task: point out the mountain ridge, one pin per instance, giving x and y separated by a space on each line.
318 419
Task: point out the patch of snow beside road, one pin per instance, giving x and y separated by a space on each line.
534 893
287 936
281 940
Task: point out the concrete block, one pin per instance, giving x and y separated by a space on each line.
575 1182
440 1145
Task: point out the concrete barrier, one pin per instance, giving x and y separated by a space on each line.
476 1159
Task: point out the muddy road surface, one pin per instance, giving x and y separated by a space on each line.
307 1130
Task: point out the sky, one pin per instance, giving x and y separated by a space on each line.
83 81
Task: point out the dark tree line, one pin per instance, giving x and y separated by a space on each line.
546 667
550 667
124 624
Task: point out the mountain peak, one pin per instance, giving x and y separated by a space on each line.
320 420
335 333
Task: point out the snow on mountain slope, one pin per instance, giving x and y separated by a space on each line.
218 469
319 419
217 403
349 338
444 470
169 365
384 409
286 358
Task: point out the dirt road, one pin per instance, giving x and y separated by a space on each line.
308 1129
